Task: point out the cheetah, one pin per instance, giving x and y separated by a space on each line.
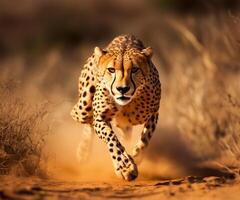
120 85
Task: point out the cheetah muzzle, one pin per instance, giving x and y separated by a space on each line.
120 85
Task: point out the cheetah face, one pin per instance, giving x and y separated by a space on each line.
121 84
124 73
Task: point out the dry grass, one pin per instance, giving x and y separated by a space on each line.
204 88
21 132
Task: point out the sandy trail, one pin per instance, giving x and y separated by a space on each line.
185 188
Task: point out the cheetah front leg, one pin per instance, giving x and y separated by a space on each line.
147 133
123 163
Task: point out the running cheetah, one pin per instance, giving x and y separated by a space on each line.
120 85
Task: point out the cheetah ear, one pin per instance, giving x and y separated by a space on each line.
148 52
98 52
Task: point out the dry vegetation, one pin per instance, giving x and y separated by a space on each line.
205 87
21 133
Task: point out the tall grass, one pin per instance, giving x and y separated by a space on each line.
203 88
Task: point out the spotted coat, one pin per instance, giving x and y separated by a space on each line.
99 107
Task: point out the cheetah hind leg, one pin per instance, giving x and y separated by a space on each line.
85 145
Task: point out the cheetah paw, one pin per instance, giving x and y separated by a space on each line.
126 168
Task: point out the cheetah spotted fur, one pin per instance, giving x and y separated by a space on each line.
120 85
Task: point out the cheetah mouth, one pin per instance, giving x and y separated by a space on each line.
123 98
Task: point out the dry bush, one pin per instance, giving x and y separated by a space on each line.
21 133
203 87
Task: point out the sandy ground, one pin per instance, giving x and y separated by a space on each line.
186 188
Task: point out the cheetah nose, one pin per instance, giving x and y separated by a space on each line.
123 90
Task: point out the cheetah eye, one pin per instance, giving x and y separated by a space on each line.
135 69
111 70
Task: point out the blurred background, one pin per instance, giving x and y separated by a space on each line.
44 44
34 26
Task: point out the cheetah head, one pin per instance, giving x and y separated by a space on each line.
123 73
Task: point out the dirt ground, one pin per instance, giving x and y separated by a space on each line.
186 188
